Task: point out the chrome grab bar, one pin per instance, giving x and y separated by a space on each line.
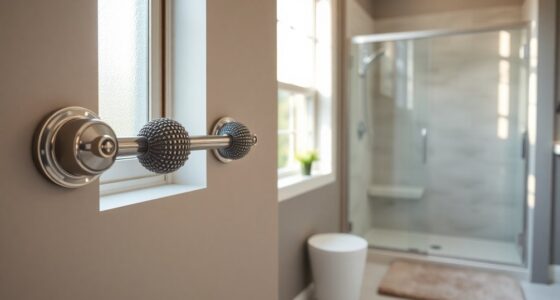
72 146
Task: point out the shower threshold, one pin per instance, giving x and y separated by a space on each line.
445 246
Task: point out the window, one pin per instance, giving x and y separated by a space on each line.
130 80
296 125
145 47
305 58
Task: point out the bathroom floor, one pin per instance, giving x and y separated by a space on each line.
374 273
447 246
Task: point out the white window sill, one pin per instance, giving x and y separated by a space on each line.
293 186
138 196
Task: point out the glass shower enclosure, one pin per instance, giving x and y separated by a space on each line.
437 142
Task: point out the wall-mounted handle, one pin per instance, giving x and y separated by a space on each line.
524 145
72 146
424 134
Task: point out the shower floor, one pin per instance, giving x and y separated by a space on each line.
442 245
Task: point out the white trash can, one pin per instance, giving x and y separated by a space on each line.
337 262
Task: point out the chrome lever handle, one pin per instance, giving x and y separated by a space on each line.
72 146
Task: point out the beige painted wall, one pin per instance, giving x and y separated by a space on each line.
358 19
367 6
395 8
299 218
530 10
217 243
458 19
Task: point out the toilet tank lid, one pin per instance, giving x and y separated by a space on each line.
337 242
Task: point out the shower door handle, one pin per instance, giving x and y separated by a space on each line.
424 134
524 145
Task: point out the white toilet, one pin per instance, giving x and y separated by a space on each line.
337 262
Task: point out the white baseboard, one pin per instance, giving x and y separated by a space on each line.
306 294
555 273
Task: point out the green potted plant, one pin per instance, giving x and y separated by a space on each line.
306 159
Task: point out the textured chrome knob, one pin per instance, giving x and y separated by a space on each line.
241 141
167 146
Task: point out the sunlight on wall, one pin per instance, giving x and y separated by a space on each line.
505 42
504 49
503 128
503 90
531 191
410 76
532 114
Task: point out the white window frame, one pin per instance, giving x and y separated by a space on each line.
127 173
183 35
306 91
291 183
312 94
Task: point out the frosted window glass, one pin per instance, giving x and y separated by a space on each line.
123 28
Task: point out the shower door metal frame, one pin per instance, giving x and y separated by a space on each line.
540 257
426 34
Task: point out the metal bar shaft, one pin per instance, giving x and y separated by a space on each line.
210 142
132 146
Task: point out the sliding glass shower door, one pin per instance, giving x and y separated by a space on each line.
437 134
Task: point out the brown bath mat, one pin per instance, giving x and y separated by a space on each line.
424 281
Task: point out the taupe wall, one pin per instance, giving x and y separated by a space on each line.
358 19
457 19
394 8
217 243
299 218
366 5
